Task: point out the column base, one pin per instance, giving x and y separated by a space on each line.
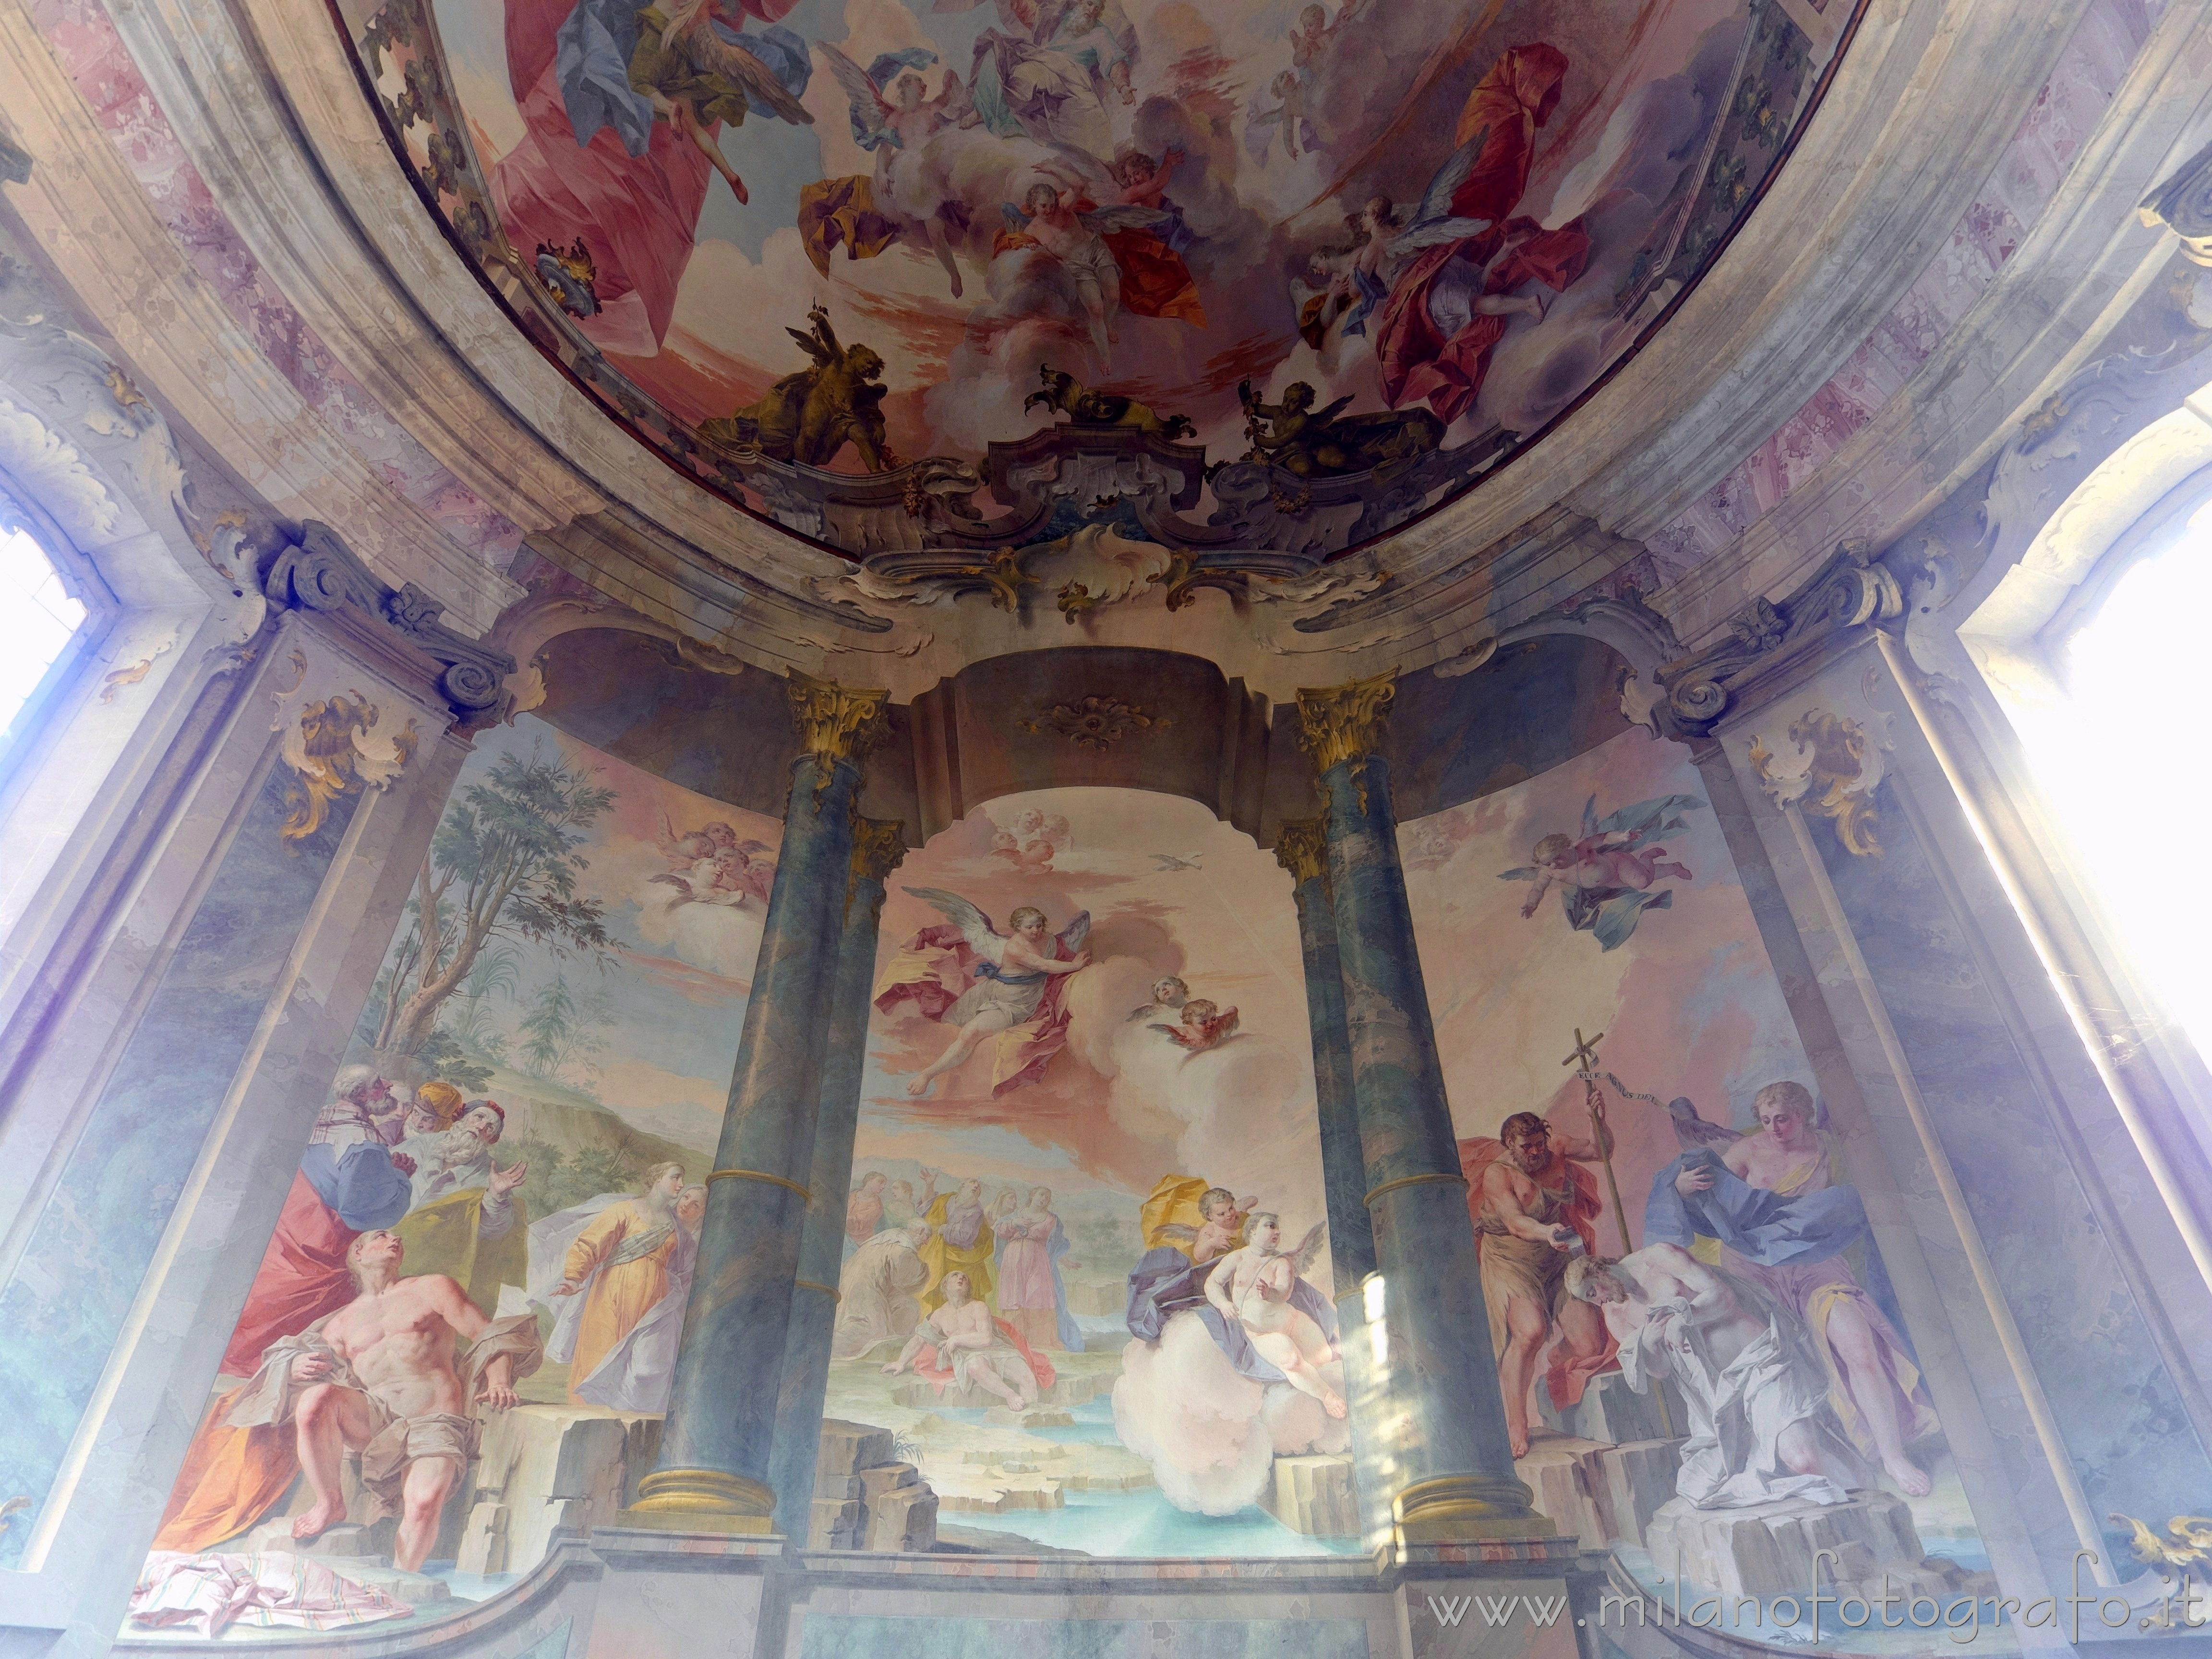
1456 1509
702 1500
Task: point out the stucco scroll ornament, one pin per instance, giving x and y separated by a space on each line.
334 744
1832 766
1095 722
1775 640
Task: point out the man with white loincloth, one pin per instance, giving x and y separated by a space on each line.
378 1377
1760 1426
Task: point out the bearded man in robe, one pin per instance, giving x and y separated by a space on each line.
960 1241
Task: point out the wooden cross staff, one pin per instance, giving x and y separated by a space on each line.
1584 1059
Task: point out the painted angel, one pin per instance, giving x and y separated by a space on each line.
700 75
1092 245
1015 987
1170 993
894 117
1289 113
1254 1287
1609 877
1204 1026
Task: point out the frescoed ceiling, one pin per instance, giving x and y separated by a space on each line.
839 258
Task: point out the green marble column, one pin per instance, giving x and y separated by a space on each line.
713 1475
1302 848
1452 1467
878 846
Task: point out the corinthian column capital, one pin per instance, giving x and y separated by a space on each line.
836 722
878 845
1340 723
1302 848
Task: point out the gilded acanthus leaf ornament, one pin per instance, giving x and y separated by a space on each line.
335 749
836 722
1831 768
1340 723
1302 848
1094 722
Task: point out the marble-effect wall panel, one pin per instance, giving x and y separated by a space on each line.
65 1304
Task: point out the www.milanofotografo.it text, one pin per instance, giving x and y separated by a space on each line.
1961 1617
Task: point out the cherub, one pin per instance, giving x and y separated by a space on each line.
894 116
1222 1229
1605 877
1032 859
1013 975
1143 184
1204 1026
1169 995
1609 861
695 74
1253 1287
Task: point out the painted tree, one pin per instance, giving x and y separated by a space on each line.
562 1031
503 864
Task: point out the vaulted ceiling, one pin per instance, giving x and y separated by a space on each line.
878 338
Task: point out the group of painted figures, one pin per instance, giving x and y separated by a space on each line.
1791 1360
1042 170
401 1234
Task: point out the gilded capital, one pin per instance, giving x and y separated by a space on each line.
834 722
1340 723
878 844
1302 848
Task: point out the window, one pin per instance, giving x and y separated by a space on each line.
38 619
2119 759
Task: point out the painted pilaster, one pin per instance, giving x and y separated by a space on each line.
714 1452
878 846
1302 848
1446 1461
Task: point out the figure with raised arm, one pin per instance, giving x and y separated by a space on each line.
1014 993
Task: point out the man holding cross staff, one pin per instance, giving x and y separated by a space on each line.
1534 1209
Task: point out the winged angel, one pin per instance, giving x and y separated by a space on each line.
1608 878
1015 985
894 117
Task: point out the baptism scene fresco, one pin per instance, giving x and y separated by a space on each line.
1592 960
1348 238
533 1092
1106 1159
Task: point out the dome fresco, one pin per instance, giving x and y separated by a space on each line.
822 251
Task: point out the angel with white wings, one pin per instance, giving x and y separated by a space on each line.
1015 985
893 116
1253 1287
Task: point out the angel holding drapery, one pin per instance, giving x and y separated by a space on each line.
1014 987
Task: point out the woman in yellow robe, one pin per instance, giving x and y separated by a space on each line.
619 1264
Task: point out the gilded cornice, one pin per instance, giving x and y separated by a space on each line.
1340 723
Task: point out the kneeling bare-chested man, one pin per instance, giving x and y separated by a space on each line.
378 1377
971 1345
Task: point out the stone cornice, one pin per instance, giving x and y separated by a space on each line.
396 630
90 215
